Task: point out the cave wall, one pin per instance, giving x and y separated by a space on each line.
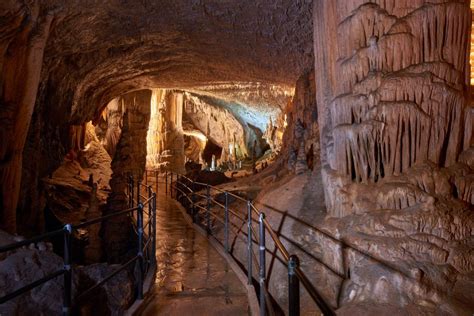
129 159
22 48
395 131
223 128
392 88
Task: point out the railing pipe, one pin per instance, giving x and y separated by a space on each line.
226 223
208 209
262 276
140 251
153 259
249 243
293 287
67 270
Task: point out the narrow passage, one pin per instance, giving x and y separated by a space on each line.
192 278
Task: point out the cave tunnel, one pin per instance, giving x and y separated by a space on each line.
343 172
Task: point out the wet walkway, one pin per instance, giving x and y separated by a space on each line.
192 278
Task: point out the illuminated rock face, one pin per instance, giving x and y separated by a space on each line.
391 92
165 138
220 126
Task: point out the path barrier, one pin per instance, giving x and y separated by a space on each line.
141 200
197 199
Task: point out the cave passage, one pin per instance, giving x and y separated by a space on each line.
191 274
338 132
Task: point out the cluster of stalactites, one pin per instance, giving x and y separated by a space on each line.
402 100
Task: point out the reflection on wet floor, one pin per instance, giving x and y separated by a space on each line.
192 278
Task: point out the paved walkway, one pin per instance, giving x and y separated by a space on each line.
192 278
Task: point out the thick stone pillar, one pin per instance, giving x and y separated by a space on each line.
129 159
21 60
392 86
173 151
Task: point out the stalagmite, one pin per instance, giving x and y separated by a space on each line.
129 160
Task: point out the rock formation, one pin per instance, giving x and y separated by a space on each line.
129 160
401 99
395 133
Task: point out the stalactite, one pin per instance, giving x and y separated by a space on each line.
400 73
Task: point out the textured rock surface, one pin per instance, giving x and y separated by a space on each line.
129 160
220 125
393 113
391 94
165 138
300 141
28 264
396 164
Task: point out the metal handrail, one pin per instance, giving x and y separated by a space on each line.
67 230
295 273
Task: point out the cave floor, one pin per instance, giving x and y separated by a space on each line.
192 277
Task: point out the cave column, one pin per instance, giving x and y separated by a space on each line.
155 136
392 88
173 154
129 159
22 65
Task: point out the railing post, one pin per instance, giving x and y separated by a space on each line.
226 222
293 287
67 270
249 242
208 209
261 251
150 214
140 251
166 182
154 230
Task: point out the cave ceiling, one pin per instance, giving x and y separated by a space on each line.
114 46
